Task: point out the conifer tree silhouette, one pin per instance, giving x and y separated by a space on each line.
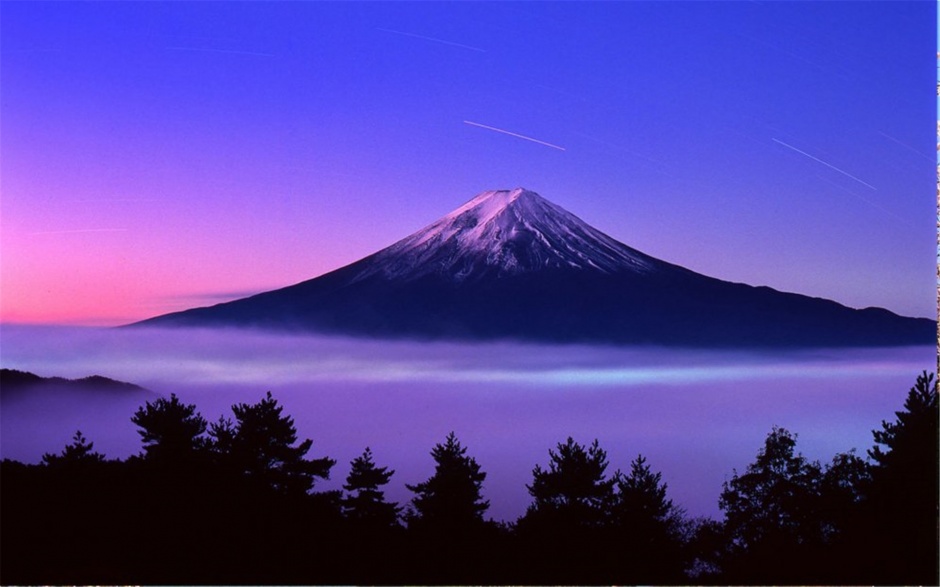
564 531
641 497
451 499
365 503
80 452
260 444
170 430
574 490
648 526
904 491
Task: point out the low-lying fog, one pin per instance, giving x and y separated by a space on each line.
696 415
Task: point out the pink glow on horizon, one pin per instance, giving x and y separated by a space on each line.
295 138
70 264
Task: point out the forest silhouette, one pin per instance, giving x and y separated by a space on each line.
235 502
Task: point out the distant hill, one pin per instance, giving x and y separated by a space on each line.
509 264
12 380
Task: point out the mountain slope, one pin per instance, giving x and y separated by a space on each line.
510 264
500 233
13 380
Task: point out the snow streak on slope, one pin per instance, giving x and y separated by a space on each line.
505 233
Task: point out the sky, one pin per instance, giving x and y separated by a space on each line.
163 155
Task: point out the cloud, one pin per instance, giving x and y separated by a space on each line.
77 231
209 297
695 415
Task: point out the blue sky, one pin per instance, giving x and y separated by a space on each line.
155 155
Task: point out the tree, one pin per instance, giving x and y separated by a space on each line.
80 452
641 498
770 513
260 445
565 530
649 526
451 499
904 490
170 430
842 491
445 520
704 542
365 503
910 439
573 491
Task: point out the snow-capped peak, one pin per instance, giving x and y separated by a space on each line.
505 232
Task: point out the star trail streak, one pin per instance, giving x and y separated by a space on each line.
512 134
833 167
434 40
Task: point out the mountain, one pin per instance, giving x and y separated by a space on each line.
509 264
12 380
503 233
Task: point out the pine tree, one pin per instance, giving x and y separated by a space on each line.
365 503
451 499
574 490
564 532
445 520
649 527
170 430
260 445
904 491
908 440
80 452
641 497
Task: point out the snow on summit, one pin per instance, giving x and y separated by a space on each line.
504 232
510 265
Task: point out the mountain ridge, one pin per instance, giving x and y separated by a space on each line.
15 380
509 264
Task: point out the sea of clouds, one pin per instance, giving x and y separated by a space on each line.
696 415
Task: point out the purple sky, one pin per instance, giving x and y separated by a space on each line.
157 156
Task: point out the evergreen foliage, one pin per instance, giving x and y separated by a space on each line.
648 525
365 502
170 430
573 491
451 499
641 498
80 452
238 507
260 444
904 492
909 439
582 526
445 521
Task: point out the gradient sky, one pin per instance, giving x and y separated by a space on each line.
157 156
